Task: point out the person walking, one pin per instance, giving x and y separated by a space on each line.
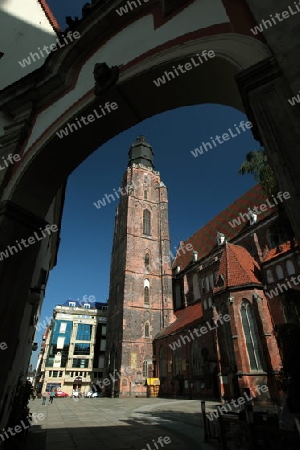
52 395
44 397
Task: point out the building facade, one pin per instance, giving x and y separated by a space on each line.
228 305
140 294
73 357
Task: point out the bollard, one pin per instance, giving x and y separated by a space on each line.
204 421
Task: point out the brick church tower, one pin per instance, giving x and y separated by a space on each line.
140 294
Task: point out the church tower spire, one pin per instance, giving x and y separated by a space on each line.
141 153
140 294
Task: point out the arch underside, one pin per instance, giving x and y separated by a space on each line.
138 98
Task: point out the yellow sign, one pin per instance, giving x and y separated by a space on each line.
153 381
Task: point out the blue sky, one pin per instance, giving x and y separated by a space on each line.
199 188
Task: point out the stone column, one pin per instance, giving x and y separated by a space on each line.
16 271
265 92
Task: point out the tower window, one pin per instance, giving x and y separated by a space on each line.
147 330
145 195
146 295
147 222
147 261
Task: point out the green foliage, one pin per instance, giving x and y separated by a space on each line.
256 163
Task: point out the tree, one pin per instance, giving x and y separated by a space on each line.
257 164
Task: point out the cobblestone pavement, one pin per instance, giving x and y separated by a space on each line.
117 424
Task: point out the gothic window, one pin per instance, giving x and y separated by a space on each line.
206 284
196 289
211 281
279 272
251 336
145 195
290 268
270 277
147 222
162 362
147 261
196 358
146 292
147 330
146 296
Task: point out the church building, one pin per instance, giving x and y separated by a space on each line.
206 322
140 296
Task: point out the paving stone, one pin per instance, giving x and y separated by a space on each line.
117 424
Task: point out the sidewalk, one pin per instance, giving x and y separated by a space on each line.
117 424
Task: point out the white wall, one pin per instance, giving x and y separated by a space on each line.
23 28
134 40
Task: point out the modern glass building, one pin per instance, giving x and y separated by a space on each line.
74 352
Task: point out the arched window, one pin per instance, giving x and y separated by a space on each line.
196 358
147 261
146 222
211 281
146 296
146 366
145 195
147 330
279 272
196 289
206 284
270 277
251 336
162 362
290 268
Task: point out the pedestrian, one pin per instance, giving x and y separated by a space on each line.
52 395
44 397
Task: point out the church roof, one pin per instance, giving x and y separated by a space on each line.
50 16
237 268
141 152
186 317
204 240
276 252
